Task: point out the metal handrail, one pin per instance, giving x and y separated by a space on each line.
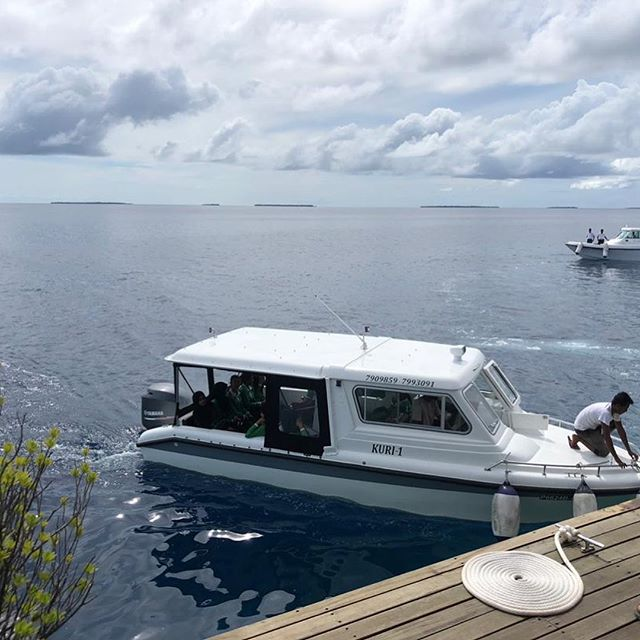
577 467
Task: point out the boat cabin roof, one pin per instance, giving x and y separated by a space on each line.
334 355
630 229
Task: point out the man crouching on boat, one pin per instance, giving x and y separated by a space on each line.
594 424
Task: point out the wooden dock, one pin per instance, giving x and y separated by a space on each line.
432 602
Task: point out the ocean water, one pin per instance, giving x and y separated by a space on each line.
92 297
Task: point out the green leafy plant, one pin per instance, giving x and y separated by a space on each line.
42 583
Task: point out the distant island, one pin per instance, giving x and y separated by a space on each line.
274 204
561 207
210 204
85 202
459 206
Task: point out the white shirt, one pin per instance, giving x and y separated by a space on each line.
590 236
591 417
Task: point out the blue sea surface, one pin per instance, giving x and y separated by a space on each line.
92 297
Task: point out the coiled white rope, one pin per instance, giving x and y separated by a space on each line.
525 583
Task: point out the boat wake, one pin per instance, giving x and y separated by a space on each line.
574 346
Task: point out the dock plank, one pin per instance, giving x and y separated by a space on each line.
431 602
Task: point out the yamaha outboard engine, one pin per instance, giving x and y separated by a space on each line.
158 405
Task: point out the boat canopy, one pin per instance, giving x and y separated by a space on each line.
332 355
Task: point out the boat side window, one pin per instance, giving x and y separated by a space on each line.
453 419
483 410
389 406
298 412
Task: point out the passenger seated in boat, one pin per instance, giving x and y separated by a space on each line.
601 237
305 407
405 408
238 409
203 411
291 422
224 418
590 237
305 429
257 388
258 427
453 419
246 391
426 410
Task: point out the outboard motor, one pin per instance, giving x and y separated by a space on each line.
158 406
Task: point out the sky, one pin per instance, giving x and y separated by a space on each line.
364 103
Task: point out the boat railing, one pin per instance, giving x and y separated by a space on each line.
561 423
577 469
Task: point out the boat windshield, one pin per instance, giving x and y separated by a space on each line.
629 234
486 414
502 383
491 395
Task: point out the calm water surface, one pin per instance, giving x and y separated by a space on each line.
93 297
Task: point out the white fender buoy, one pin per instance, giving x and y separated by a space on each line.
584 500
578 247
505 511
605 250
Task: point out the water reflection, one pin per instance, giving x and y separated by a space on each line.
624 272
252 550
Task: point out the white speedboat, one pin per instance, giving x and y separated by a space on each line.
625 247
426 428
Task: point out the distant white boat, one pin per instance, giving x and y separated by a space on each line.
421 427
624 247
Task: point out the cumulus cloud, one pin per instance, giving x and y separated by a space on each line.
335 86
587 134
573 137
224 145
166 151
56 111
322 46
356 149
333 96
602 182
146 95
70 110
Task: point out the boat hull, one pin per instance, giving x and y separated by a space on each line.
413 493
596 252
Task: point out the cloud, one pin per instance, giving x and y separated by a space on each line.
356 149
70 110
55 111
249 89
332 96
224 144
578 136
143 96
166 151
600 182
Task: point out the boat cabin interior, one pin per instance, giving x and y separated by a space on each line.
293 413
292 410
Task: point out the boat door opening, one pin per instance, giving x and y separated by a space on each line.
297 417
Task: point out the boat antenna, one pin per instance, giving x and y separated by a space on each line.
360 337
